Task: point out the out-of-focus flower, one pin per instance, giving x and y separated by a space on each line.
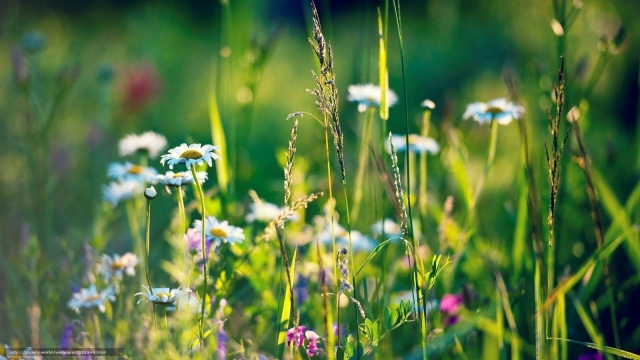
190 155
139 85
313 340
161 296
117 265
499 110
391 228
369 95
295 336
194 245
150 142
359 241
178 178
591 356
129 171
66 338
264 212
418 144
450 305
33 42
219 231
90 297
428 104
121 191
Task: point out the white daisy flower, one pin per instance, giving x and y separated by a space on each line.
428 104
117 265
391 228
89 297
187 301
418 144
121 190
149 141
265 212
499 110
219 231
161 296
190 155
178 178
369 95
130 171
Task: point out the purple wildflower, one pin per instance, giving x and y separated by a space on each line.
194 245
450 304
66 338
590 356
221 346
295 336
301 289
313 339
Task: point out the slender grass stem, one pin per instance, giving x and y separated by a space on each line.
183 228
363 157
330 336
147 241
204 256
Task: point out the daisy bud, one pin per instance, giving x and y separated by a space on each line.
150 193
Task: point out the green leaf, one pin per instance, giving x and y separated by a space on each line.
373 253
606 349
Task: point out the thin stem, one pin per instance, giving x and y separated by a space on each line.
491 156
183 219
330 339
96 324
147 243
204 255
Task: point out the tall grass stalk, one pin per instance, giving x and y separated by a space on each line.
363 157
336 276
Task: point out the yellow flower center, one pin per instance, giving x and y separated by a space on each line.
159 295
93 298
135 169
178 175
191 154
217 232
117 265
495 110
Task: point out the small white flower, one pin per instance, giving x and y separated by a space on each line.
162 296
89 297
190 155
117 265
265 212
120 191
391 228
219 231
181 178
149 141
499 110
129 171
418 144
369 95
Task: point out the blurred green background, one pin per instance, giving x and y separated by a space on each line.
134 66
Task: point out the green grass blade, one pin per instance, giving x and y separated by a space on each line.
373 253
218 138
286 307
606 349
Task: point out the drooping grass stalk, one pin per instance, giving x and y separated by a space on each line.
205 270
585 163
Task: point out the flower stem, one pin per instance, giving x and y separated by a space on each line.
330 337
147 244
205 270
183 219
492 154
